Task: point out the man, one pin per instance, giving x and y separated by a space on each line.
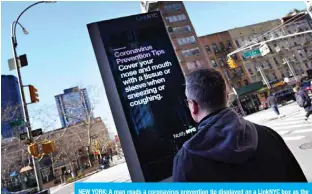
226 147
304 101
272 102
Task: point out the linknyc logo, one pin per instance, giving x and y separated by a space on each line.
147 17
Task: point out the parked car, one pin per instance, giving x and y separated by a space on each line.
285 95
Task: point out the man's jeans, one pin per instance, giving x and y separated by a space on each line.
275 108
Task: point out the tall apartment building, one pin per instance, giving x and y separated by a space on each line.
216 47
181 32
246 35
73 106
11 107
297 49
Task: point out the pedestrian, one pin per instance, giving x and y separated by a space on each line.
303 100
226 147
272 102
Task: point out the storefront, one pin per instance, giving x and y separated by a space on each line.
248 97
264 92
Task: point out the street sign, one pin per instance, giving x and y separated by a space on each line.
34 133
22 62
264 49
252 53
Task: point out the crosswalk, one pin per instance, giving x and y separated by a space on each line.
292 126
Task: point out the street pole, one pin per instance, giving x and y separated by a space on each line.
25 110
265 79
36 166
290 68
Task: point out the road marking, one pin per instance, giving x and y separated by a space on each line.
293 138
282 132
302 131
291 127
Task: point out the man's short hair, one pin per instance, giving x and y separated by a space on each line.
207 88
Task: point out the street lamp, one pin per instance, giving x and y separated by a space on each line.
19 79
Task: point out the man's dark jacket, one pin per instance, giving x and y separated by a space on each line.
228 148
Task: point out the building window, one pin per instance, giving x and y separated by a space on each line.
190 65
176 18
186 40
207 47
300 54
222 47
221 61
250 71
215 48
275 61
181 29
173 7
213 63
237 43
190 52
269 65
275 34
246 82
234 56
194 65
306 64
228 44
226 73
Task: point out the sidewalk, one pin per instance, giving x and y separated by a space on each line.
115 162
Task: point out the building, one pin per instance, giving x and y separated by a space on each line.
216 47
73 106
11 107
297 50
246 35
181 32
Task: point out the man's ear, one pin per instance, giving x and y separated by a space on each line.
194 107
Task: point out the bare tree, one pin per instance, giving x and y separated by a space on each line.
79 109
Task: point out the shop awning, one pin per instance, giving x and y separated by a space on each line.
281 83
249 88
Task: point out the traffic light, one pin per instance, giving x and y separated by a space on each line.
33 94
33 150
231 63
48 147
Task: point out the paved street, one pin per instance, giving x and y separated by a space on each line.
295 131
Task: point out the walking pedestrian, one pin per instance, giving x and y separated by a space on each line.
227 147
304 101
272 102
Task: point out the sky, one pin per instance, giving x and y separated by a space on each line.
59 50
